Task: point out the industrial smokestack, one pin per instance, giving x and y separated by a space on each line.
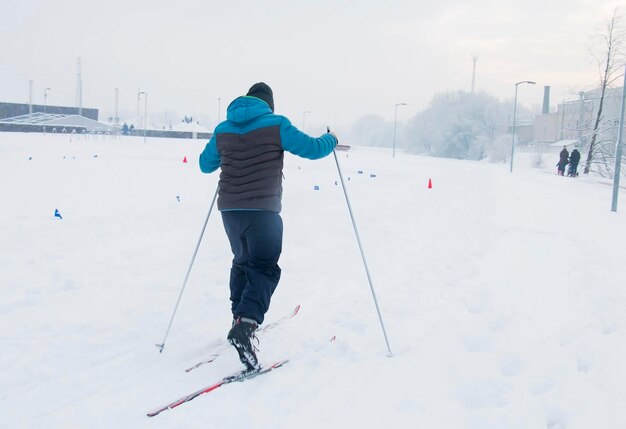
546 100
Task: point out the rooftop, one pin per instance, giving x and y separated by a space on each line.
59 120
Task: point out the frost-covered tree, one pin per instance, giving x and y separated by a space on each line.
604 149
458 125
371 130
608 53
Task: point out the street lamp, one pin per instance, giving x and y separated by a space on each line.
530 82
304 119
145 112
619 149
138 98
45 99
45 105
395 120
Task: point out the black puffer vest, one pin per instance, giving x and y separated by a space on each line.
252 168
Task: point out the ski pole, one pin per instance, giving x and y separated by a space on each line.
193 258
367 271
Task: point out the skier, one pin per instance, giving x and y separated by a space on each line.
563 160
574 159
249 148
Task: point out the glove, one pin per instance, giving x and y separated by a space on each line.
332 134
335 137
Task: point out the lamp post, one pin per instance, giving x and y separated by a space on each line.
395 121
530 82
619 149
304 119
45 105
138 98
45 99
145 112
30 97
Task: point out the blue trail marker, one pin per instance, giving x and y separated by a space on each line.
57 214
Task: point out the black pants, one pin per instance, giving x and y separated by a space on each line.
256 239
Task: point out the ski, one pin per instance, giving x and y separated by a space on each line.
240 376
262 330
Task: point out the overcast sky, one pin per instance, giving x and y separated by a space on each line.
337 59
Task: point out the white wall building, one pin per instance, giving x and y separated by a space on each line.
574 120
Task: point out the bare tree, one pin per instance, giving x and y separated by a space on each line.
609 56
604 153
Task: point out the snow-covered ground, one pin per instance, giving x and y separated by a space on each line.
503 294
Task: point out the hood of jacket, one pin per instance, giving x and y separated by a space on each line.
244 109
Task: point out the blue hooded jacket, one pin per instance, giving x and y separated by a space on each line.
249 148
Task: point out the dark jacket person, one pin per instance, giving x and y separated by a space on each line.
563 160
574 159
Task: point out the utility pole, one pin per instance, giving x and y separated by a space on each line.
145 119
79 88
116 119
530 82
145 112
138 98
618 150
30 97
45 105
45 99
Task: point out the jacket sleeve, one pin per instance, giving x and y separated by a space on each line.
210 159
298 143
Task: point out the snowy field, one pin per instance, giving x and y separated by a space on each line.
503 294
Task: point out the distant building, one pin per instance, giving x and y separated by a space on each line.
16 117
193 128
524 131
11 110
546 128
574 120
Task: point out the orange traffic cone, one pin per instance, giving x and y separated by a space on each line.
430 184
185 160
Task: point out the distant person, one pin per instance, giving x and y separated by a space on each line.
125 129
574 159
249 148
563 161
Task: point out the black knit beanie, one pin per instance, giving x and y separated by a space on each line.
264 92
